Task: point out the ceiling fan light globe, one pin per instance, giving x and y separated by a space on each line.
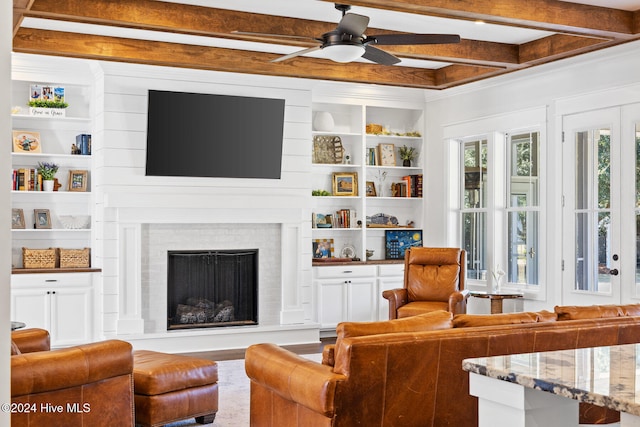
344 52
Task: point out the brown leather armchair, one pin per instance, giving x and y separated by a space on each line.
433 280
85 385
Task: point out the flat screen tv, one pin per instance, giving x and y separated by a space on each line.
206 135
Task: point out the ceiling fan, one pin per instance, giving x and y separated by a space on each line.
348 42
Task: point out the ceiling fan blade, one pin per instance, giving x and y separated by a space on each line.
353 24
379 56
405 39
294 54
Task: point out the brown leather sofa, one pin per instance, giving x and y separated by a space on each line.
407 372
86 385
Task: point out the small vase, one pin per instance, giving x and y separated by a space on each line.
47 185
406 163
323 121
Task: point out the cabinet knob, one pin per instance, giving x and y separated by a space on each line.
51 280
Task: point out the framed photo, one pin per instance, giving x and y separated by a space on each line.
17 218
322 248
35 93
345 183
371 189
387 154
78 180
26 141
42 218
398 241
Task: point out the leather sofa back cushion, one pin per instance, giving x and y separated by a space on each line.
574 312
469 320
432 321
14 348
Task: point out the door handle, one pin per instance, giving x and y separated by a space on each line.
614 272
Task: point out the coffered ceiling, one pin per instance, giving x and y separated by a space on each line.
497 36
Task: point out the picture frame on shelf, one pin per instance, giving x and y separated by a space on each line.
398 241
78 180
387 154
26 141
322 248
322 220
345 183
41 218
371 189
17 219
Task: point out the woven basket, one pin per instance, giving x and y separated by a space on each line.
74 258
374 129
39 258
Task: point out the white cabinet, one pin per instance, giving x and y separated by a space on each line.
62 303
378 187
354 292
390 276
345 293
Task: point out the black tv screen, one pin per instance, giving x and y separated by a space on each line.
205 135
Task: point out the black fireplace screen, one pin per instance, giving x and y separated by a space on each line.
212 288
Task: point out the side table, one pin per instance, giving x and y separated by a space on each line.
496 299
17 325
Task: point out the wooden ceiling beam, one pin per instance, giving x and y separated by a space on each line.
204 21
45 42
556 47
455 75
548 15
19 9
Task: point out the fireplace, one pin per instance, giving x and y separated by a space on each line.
212 288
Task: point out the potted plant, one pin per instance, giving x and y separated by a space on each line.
407 154
48 173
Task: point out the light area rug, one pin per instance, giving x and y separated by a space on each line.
233 395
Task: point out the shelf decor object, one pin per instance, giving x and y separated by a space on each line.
345 183
398 241
322 248
323 121
42 218
78 180
387 154
74 258
39 258
48 172
17 219
371 189
25 141
47 101
327 149
75 222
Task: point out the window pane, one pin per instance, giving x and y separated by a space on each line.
582 170
523 245
475 174
593 268
524 170
603 137
474 227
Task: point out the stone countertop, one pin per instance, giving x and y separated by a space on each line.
604 376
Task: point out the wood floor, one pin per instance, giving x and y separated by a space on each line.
239 353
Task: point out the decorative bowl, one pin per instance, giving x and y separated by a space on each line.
75 222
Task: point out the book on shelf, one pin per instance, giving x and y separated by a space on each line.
26 179
342 218
410 186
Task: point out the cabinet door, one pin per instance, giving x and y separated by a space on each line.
384 284
331 303
32 307
360 297
71 316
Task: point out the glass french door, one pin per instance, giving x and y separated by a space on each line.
594 265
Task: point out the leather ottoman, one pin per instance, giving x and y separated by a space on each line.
170 387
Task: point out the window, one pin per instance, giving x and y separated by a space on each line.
500 206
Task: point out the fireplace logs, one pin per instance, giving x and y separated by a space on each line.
200 310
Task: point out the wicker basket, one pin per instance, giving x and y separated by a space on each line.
74 258
374 129
39 258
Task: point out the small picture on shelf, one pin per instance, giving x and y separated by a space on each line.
47 93
322 220
387 154
58 93
371 189
26 142
42 218
398 241
78 180
322 248
35 93
17 219
345 183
